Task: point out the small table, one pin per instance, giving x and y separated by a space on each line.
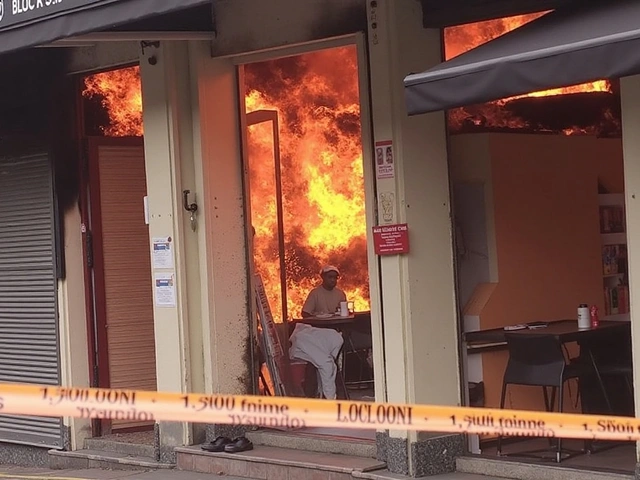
566 331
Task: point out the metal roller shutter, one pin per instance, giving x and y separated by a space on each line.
28 303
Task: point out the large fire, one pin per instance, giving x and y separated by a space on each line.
120 93
316 98
460 39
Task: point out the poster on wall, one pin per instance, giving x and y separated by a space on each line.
387 207
162 253
384 160
165 289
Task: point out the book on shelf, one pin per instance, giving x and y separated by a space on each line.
611 219
616 300
614 259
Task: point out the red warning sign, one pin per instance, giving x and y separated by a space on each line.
391 239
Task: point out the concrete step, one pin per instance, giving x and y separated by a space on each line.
355 447
273 463
518 470
83 459
126 448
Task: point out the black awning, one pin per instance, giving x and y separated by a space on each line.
565 47
27 23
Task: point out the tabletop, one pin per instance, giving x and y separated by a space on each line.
564 330
334 321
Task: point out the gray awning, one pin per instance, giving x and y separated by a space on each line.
27 23
565 47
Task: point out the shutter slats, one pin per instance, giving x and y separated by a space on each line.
28 303
127 271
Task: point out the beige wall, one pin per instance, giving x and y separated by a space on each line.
168 155
226 333
420 321
74 354
630 97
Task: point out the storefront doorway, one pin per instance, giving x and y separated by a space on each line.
305 180
118 258
538 194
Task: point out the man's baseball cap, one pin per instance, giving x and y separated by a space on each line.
329 268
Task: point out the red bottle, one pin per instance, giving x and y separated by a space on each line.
595 321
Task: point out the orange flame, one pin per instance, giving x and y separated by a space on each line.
462 38
121 94
316 98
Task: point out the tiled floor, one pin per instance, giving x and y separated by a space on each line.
620 458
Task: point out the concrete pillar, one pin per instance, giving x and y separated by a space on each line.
630 99
418 289
226 329
167 137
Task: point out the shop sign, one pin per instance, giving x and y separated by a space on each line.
14 12
391 239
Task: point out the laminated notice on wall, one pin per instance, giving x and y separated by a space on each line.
384 159
162 253
165 290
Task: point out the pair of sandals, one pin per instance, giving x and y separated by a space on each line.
225 444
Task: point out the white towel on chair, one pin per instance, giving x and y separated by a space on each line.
320 347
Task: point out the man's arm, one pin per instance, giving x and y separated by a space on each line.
309 306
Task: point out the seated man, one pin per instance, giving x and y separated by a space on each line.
325 298
320 346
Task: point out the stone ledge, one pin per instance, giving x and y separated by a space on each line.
507 468
292 458
98 459
315 443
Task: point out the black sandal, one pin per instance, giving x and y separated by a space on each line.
217 445
240 444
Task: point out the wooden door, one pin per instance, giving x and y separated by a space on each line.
122 270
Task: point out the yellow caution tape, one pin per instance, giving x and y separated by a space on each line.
304 412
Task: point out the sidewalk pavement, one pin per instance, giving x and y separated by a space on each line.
20 473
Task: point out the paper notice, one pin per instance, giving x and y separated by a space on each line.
165 290
162 252
384 159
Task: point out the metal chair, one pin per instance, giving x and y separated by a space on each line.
538 361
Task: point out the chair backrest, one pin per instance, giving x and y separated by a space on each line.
534 360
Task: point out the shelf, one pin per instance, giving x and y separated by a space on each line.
612 275
620 317
613 238
611 199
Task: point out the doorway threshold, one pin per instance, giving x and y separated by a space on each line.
357 443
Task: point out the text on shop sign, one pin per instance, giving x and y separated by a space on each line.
391 239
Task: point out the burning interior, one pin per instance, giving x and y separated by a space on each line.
321 184
321 187
587 109
308 210
113 103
